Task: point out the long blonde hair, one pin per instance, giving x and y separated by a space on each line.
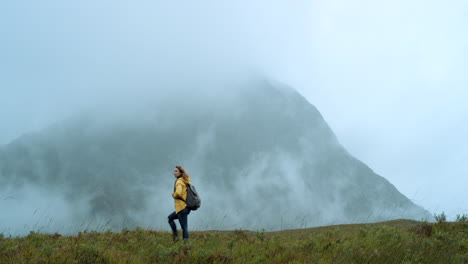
184 173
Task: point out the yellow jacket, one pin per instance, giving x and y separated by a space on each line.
180 192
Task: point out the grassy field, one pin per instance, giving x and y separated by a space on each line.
398 241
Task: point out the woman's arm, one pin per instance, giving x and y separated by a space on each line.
178 191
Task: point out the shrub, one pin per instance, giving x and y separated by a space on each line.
441 218
423 229
462 218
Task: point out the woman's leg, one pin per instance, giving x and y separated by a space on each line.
171 219
183 220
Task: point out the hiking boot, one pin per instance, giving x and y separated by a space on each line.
187 244
175 237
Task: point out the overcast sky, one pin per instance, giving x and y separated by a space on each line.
390 77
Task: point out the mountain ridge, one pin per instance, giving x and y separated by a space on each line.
266 150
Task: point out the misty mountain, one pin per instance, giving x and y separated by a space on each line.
261 156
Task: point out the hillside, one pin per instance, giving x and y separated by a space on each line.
400 241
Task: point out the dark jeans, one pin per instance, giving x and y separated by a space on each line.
182 216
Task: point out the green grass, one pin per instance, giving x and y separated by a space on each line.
399 241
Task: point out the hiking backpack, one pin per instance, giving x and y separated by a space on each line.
193 200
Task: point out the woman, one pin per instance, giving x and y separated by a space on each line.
181 209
